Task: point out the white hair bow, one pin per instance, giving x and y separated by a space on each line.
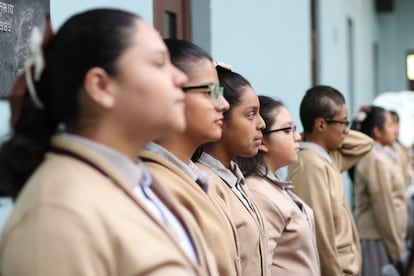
36 59
224 65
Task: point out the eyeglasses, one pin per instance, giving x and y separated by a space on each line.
215 91
334 121
287 130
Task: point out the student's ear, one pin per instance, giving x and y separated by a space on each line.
319 124
376 132
98 87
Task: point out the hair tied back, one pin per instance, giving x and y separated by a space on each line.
360 116
24 81
223 65
37 61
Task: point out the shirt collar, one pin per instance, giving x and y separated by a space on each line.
133 172
318 149
390 152
232 176
190 169
274 178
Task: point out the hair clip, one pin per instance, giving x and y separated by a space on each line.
24 81
360 116
36 60
223 65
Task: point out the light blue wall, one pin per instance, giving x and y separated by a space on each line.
334 59
5 203
397 38
333 52
61 10
268 42
4 118
201 23
271 47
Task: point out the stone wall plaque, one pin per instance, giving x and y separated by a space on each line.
17 19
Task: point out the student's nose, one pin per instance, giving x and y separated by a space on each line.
261 123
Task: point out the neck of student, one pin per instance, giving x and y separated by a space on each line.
316 139
181 146
218 151
117 140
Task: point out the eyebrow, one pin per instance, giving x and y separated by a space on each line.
205 84
160 52
252 107
290 123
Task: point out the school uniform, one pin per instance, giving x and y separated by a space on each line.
318 182
291 242
402 156
380 206
246 216
188 186
80 215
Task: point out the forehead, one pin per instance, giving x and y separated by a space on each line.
388 117
202 71
147 39
282 116
248 97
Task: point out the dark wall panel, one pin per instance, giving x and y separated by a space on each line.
17 18
384 5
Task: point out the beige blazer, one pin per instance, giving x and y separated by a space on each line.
291 242
214 224
405 161
318 182
249 224
380 206
71 219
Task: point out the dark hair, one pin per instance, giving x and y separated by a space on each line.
234 85
319 102
395 115
373 116
269 109
367 118
95 38
184 53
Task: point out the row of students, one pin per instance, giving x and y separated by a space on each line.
169 158
380 186
329 148
85 203
90 206
291 243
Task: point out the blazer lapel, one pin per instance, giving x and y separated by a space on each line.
96 163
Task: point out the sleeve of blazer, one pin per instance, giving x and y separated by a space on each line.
63 249
379 185
354 147
320 201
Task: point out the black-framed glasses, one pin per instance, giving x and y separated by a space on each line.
216 91
335 121
290 129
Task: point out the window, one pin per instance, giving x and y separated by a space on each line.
410 70
172 18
